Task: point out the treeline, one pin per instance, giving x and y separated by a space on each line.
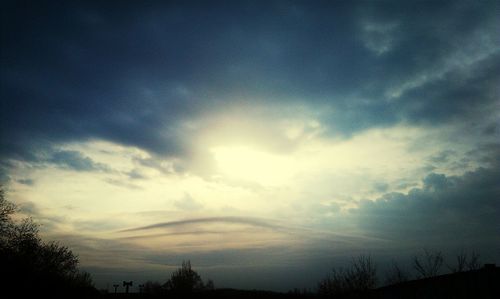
30 266
182 281
360 277
358 280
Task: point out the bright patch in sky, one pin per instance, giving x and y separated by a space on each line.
247 164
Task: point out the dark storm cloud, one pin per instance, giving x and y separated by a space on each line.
446 209
462 93
131 73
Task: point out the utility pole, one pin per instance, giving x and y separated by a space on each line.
127 284
116 287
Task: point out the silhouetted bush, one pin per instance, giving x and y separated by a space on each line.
186 280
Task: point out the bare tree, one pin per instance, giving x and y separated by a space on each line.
465 262
359 277
363 273
461 263
428 264
396 275
335 284
473 263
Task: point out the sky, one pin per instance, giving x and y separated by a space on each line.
265 141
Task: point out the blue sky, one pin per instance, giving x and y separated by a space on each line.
260 139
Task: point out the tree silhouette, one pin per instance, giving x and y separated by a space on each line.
185 280
428 264
31 265
465 262
152 287
473 262
396 275
6 210
354 281
210 285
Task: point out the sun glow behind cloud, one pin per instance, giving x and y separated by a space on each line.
248 164
248 177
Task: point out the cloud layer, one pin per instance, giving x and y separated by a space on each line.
139 76
291 131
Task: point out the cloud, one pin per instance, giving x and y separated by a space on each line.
379 37
449 209
164 166
188 203
122 183
380 187
181 233
442 157
48 222
96 225
245 232
228 220
135 174
4 177
29 208
133 78
27 182
173 80
76 161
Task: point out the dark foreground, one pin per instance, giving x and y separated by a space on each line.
482 284
219 293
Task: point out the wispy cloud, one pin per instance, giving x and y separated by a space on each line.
188 203
76 161
27 182
258 222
